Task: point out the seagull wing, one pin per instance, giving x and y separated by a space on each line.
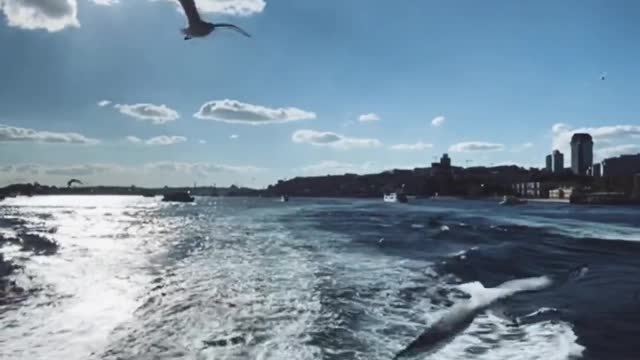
190 9
233 27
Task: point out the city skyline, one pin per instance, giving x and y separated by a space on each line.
116 106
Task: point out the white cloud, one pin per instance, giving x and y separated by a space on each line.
105 2
104 103
562 133
133 139
419 146
16 134
202 142
234 136
49 15
438 121
371 117
232 111
473 146
157 114
229 7
333 140
613 151
166 140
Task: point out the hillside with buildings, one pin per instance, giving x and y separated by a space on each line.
615 178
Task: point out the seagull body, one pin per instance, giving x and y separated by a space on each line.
199 28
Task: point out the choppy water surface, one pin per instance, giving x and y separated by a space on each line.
134 278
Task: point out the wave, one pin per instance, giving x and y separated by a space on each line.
462 314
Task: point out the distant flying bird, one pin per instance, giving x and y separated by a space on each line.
603 76
199 28
72 181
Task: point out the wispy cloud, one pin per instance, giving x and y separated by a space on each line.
330 167
104 103
200 168
166 140
475 146
18 134
562 133
236 112
133 139
202 141
80 170
333 140
158 173
105 2
613 151
522 147
438 121
368 118
234 136
32 169
159 140
157 114
419 146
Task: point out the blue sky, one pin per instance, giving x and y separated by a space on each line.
508 81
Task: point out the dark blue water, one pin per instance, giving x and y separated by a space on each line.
133 278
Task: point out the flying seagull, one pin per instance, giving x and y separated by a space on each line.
199 28
72 181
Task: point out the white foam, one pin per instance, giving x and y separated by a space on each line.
492 338
482 296
540 311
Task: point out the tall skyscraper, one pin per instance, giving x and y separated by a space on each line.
557 161
445 160
548 163
581 153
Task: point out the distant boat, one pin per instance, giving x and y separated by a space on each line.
395 197
183 196
512 200
284 198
